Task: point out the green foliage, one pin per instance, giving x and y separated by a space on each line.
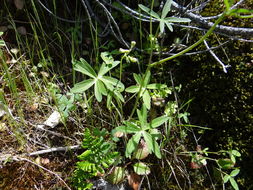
142 129
163 20
142 87
141 168
98 156
103 85
1 41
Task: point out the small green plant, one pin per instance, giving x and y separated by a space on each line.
163 20
199 159
142 129
142 87
228 164
103 85
98 156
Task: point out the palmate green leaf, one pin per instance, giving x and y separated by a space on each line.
82 86
142 115
146 79
159 121
166 8
225 163
234 172
141 169
101 87
148 140
236 153
115 82
146 99
83 67
152 144
149 11
155 86
226 178
97 91
138 79
169 26
107 67
133 89
233 183
129 128
132 144
176 19
118 95
161 25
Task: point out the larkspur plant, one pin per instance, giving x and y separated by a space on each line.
142 129
142 87
103 85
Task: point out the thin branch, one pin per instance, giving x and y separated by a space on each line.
228 30
224 67
56 149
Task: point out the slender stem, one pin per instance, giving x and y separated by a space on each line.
220 19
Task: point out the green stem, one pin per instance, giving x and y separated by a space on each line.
220 19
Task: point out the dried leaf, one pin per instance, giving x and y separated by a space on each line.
134 181
142 151
19 4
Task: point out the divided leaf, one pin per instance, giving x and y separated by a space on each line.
132 144
83 67
82 86
159 121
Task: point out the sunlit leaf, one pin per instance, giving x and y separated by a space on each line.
146 99
225 163
166 8
141 169
98 93
233 183
176 19
161 25
138 79
149 11
83 67
115 82
107 67
132 144
234 172
169 26
146 79
132 89
148 139
226 178
156 86
159 121
101 87
82 86
142 115
118 95
128 129
236 153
